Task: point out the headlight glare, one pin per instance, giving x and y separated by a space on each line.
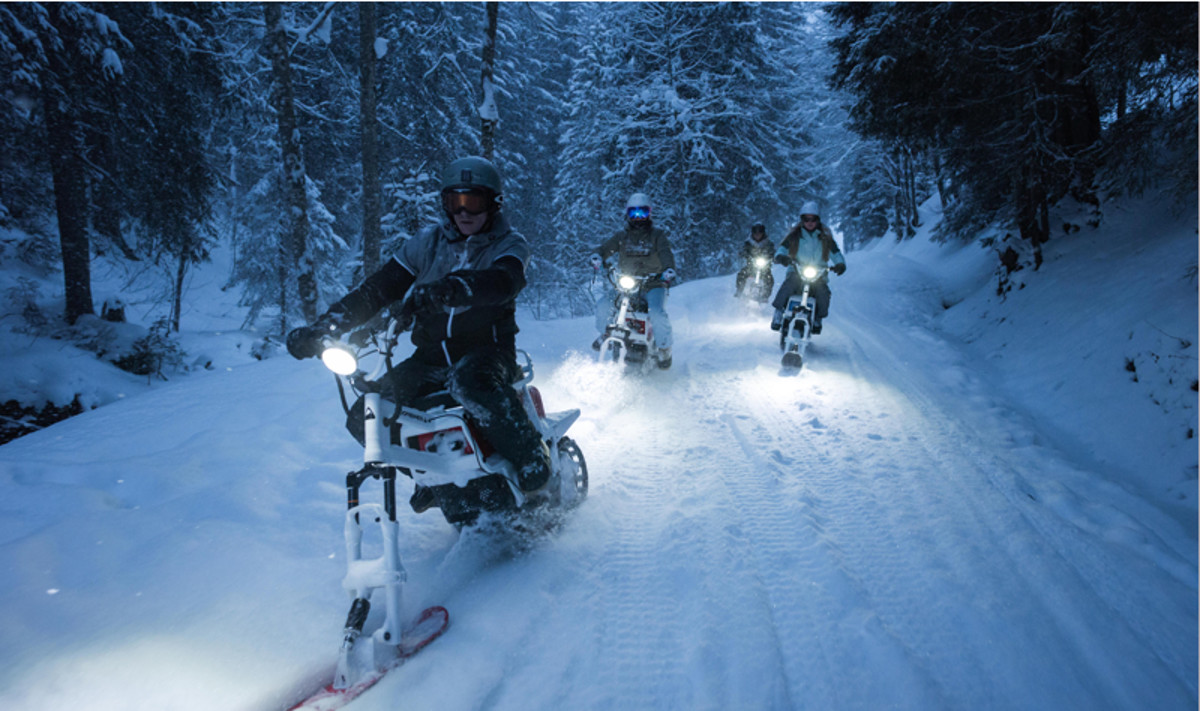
339 360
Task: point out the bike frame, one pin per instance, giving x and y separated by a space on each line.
384 460
754 288
619 334
799 316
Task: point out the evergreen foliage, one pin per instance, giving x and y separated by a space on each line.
1025 105
147 132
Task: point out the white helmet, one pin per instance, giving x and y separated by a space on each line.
810 208
637 207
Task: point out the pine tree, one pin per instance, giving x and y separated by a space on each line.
369 121
1012 98
67 55
293 175
694 104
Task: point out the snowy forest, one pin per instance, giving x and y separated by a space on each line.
979 491
308 136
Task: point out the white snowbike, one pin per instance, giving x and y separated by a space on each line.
796 330
435 443
629 337
756 288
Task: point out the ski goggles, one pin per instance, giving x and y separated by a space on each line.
637 213
470 202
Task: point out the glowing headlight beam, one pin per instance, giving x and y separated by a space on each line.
339 360
627 282
810 272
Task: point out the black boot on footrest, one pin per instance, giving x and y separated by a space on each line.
422 499
533 474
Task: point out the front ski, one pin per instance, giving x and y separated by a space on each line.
429 626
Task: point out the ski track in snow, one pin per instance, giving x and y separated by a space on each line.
876 531
836 540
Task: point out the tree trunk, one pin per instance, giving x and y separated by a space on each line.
281 262
177 296
1033 213
235 209
940 179
910 192
294 177
70 194
371 230
489 117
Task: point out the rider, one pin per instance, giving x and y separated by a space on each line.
756 245
642 250
465 273
809 242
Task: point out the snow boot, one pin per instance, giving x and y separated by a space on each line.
533 474
777 320
664 358
422 499
596 343
816 328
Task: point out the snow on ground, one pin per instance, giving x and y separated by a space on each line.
947 508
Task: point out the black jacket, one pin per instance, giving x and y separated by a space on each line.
491 263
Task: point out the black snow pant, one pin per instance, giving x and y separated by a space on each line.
794 285
481 381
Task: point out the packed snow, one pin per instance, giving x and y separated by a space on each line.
963 500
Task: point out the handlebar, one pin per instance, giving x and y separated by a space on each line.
342 357
812 272
616 278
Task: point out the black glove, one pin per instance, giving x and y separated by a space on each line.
783 259
305 342
839 269
431 297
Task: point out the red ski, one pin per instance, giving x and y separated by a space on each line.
429 626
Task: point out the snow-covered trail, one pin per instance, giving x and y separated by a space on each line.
875 532
880 530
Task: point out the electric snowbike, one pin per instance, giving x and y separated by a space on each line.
796 330
629 337
435 443
756 288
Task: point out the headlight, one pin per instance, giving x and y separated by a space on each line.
810 272
760 262
340 360
627 283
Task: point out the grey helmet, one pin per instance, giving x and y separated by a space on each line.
471 184
472 172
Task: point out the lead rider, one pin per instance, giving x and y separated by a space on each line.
465 274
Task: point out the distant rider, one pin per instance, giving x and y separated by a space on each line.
756 245
642 249
809 242
465 273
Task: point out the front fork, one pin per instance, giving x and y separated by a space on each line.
363 576
807 315
614 334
